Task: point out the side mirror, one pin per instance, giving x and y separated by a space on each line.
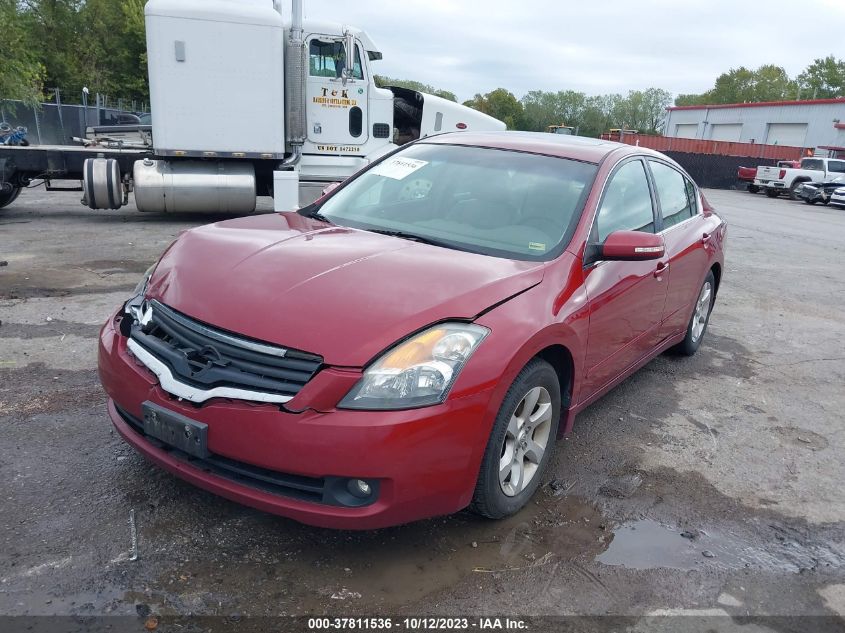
349 70
632 246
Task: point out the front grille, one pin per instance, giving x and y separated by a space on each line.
206 357
324 490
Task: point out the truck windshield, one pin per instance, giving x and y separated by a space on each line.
489 201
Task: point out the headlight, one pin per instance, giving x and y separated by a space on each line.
417 372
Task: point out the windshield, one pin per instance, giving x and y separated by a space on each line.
490 201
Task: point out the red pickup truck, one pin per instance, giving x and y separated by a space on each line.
747 174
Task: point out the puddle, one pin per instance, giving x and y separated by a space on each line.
648 544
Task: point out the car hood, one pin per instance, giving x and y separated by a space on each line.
343 293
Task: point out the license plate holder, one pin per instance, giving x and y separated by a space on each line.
176 430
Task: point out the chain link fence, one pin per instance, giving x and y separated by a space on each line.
57 123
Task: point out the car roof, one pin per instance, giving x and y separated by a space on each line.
582 148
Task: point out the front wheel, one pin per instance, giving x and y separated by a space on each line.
810 200
700 317
521 443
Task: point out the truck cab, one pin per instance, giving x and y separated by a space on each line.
351 120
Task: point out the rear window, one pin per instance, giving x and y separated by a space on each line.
490 201
812 163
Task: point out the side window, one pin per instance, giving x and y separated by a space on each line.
327 59
675 203
837 166
693 196
626 205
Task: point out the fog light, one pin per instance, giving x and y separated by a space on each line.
359 488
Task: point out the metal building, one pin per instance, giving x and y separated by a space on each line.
816 123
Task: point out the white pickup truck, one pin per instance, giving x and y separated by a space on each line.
776 180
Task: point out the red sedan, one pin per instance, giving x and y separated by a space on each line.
414 342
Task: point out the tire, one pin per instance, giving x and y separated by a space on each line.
8 197
697 326
538 386
753 189
808 201
793 193
772 193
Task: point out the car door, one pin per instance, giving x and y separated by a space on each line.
686 235
625 297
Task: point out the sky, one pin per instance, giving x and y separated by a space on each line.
596 47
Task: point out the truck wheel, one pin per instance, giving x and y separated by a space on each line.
809 201
7 197
753 189
772 193
793 190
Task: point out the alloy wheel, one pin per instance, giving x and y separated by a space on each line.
702 311
526 439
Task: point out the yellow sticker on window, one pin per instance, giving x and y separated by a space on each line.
536 246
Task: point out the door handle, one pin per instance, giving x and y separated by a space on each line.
705 238
661 269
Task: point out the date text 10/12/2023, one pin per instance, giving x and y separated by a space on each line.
417 623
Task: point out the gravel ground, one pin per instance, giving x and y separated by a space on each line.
708 485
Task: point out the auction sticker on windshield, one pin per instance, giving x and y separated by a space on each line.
398 168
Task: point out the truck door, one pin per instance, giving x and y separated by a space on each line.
336 113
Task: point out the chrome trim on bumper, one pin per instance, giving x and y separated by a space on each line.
192 394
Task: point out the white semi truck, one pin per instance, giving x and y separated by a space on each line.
244 104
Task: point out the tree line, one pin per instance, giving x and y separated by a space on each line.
822 79
100 44
68 44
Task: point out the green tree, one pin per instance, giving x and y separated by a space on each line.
21 72
383 82
598 115
53 28
542 109
642 110
112 48
499 104
741 85
823 79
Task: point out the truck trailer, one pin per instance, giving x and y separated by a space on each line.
244 104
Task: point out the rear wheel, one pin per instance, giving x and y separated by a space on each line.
7 196
772 193
793 190
700 317
521 443
753 189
